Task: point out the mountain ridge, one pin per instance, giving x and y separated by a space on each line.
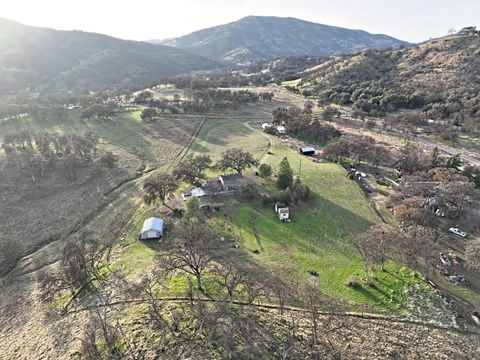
32 57
255 38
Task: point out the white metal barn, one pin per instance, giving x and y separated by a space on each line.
152 229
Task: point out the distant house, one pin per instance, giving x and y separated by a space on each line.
307 150
211 186
232 181
152 229
283 212
196 192
281 130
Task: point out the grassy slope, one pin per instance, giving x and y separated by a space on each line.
214 137
139 146
318 236
156 144
316 239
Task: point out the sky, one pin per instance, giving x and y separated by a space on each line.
410 20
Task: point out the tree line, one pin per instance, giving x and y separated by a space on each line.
198 101
43 150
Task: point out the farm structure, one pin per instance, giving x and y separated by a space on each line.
307 151
226 184
283 212
152 229
281 130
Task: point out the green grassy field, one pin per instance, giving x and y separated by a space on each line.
318 236
220 134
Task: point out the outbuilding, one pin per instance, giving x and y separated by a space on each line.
283 212
281 130
307 150
152 229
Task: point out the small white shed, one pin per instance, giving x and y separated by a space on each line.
152 229
283 212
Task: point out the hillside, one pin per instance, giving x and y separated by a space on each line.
441 76
32 57
259 38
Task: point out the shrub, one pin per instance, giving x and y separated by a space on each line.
352 282
284 196
265 170
271 130
370 281
108 159
267 200
300 191
249 192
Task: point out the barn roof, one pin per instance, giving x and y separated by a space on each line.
307 149
153 224
231 177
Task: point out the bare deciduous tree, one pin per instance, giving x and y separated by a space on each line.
413 211
193 254
417 244
230 277
472 255
374 246
83 259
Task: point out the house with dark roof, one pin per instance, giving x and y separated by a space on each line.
232 181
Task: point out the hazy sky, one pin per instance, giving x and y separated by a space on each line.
411 20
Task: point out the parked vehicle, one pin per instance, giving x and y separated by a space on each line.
458 232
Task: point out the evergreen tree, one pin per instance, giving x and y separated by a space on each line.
285 174
453 162
265 170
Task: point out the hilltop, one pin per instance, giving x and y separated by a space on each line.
441 76
33 57
255 38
